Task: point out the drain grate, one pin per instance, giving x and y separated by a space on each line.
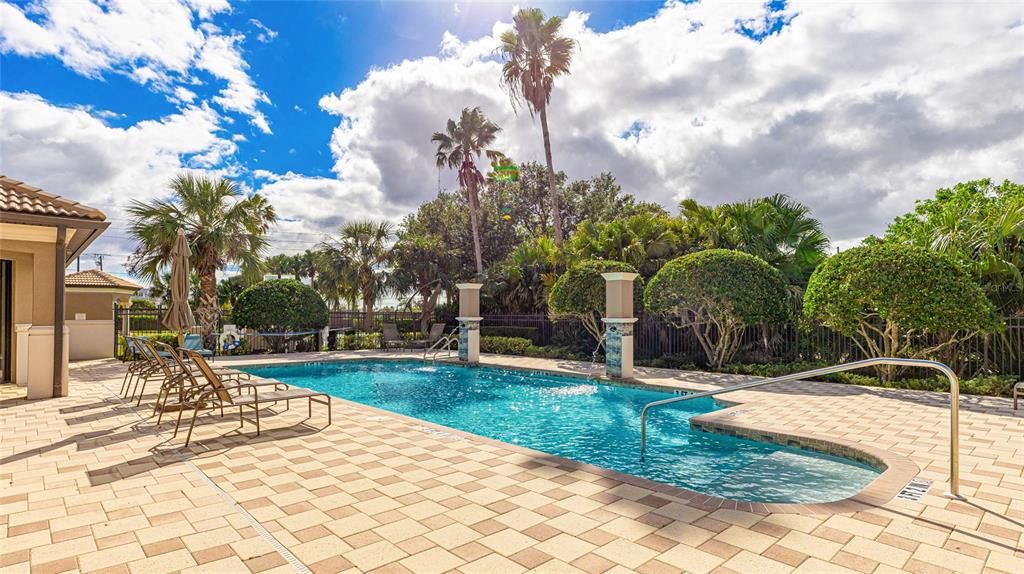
915 490
440 434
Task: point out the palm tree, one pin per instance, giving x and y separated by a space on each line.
776 228
535 54
306 265
278 265
456 146
222 225
360 256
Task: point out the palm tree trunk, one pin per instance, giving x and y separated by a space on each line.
368 301
207 312
474 221
556 213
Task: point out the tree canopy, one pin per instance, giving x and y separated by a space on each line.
979 225
882 295
580 292
717 293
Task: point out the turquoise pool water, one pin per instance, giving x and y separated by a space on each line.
587 421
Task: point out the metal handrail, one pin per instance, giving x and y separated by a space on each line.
954 403
442 344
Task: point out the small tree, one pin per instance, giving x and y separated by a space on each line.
580 293
717 293
884 295
280 306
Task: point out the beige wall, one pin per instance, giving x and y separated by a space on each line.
33 280
96 306
90 339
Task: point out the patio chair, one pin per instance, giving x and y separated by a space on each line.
139 363
173 391
391 338
159 354
435 334
194 342
215 393
1018 391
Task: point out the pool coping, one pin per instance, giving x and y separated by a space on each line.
897 470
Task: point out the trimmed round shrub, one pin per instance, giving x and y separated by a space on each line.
280 306
580 292
717 293
883 295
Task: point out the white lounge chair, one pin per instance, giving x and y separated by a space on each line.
1018 391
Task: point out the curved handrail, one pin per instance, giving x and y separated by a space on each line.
442 344
954 402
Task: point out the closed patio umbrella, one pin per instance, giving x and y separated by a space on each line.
179 314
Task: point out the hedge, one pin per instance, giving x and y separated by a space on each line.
504 345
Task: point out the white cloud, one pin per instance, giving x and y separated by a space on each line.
310 207
222 57
207 8
72 152
154 43
264 35
855 109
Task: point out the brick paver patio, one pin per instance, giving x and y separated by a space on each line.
88 484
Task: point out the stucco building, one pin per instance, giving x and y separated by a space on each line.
40 234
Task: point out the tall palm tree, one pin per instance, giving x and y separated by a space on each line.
456 146
223 226
362 253
535 54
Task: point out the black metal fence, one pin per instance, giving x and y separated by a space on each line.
654 338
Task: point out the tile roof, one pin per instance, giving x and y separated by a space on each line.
97 278
18 197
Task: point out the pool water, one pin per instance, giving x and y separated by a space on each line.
587 421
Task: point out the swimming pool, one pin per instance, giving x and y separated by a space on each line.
587 421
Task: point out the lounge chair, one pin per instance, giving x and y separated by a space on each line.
162 366
186 383
216 393
436 332
1018 391
194 342
391 338
140 362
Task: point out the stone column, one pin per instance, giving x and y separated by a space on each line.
619 320
469 322
125 303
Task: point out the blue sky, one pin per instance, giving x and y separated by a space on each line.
326 108
297 52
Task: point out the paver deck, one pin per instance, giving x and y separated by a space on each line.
89 484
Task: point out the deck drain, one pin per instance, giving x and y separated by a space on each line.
915 490
440 433
737 413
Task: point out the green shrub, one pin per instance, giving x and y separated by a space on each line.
167 337
883 295
580 293
531 333
280 306
360 341
504 345
140 304
717 293
554 352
